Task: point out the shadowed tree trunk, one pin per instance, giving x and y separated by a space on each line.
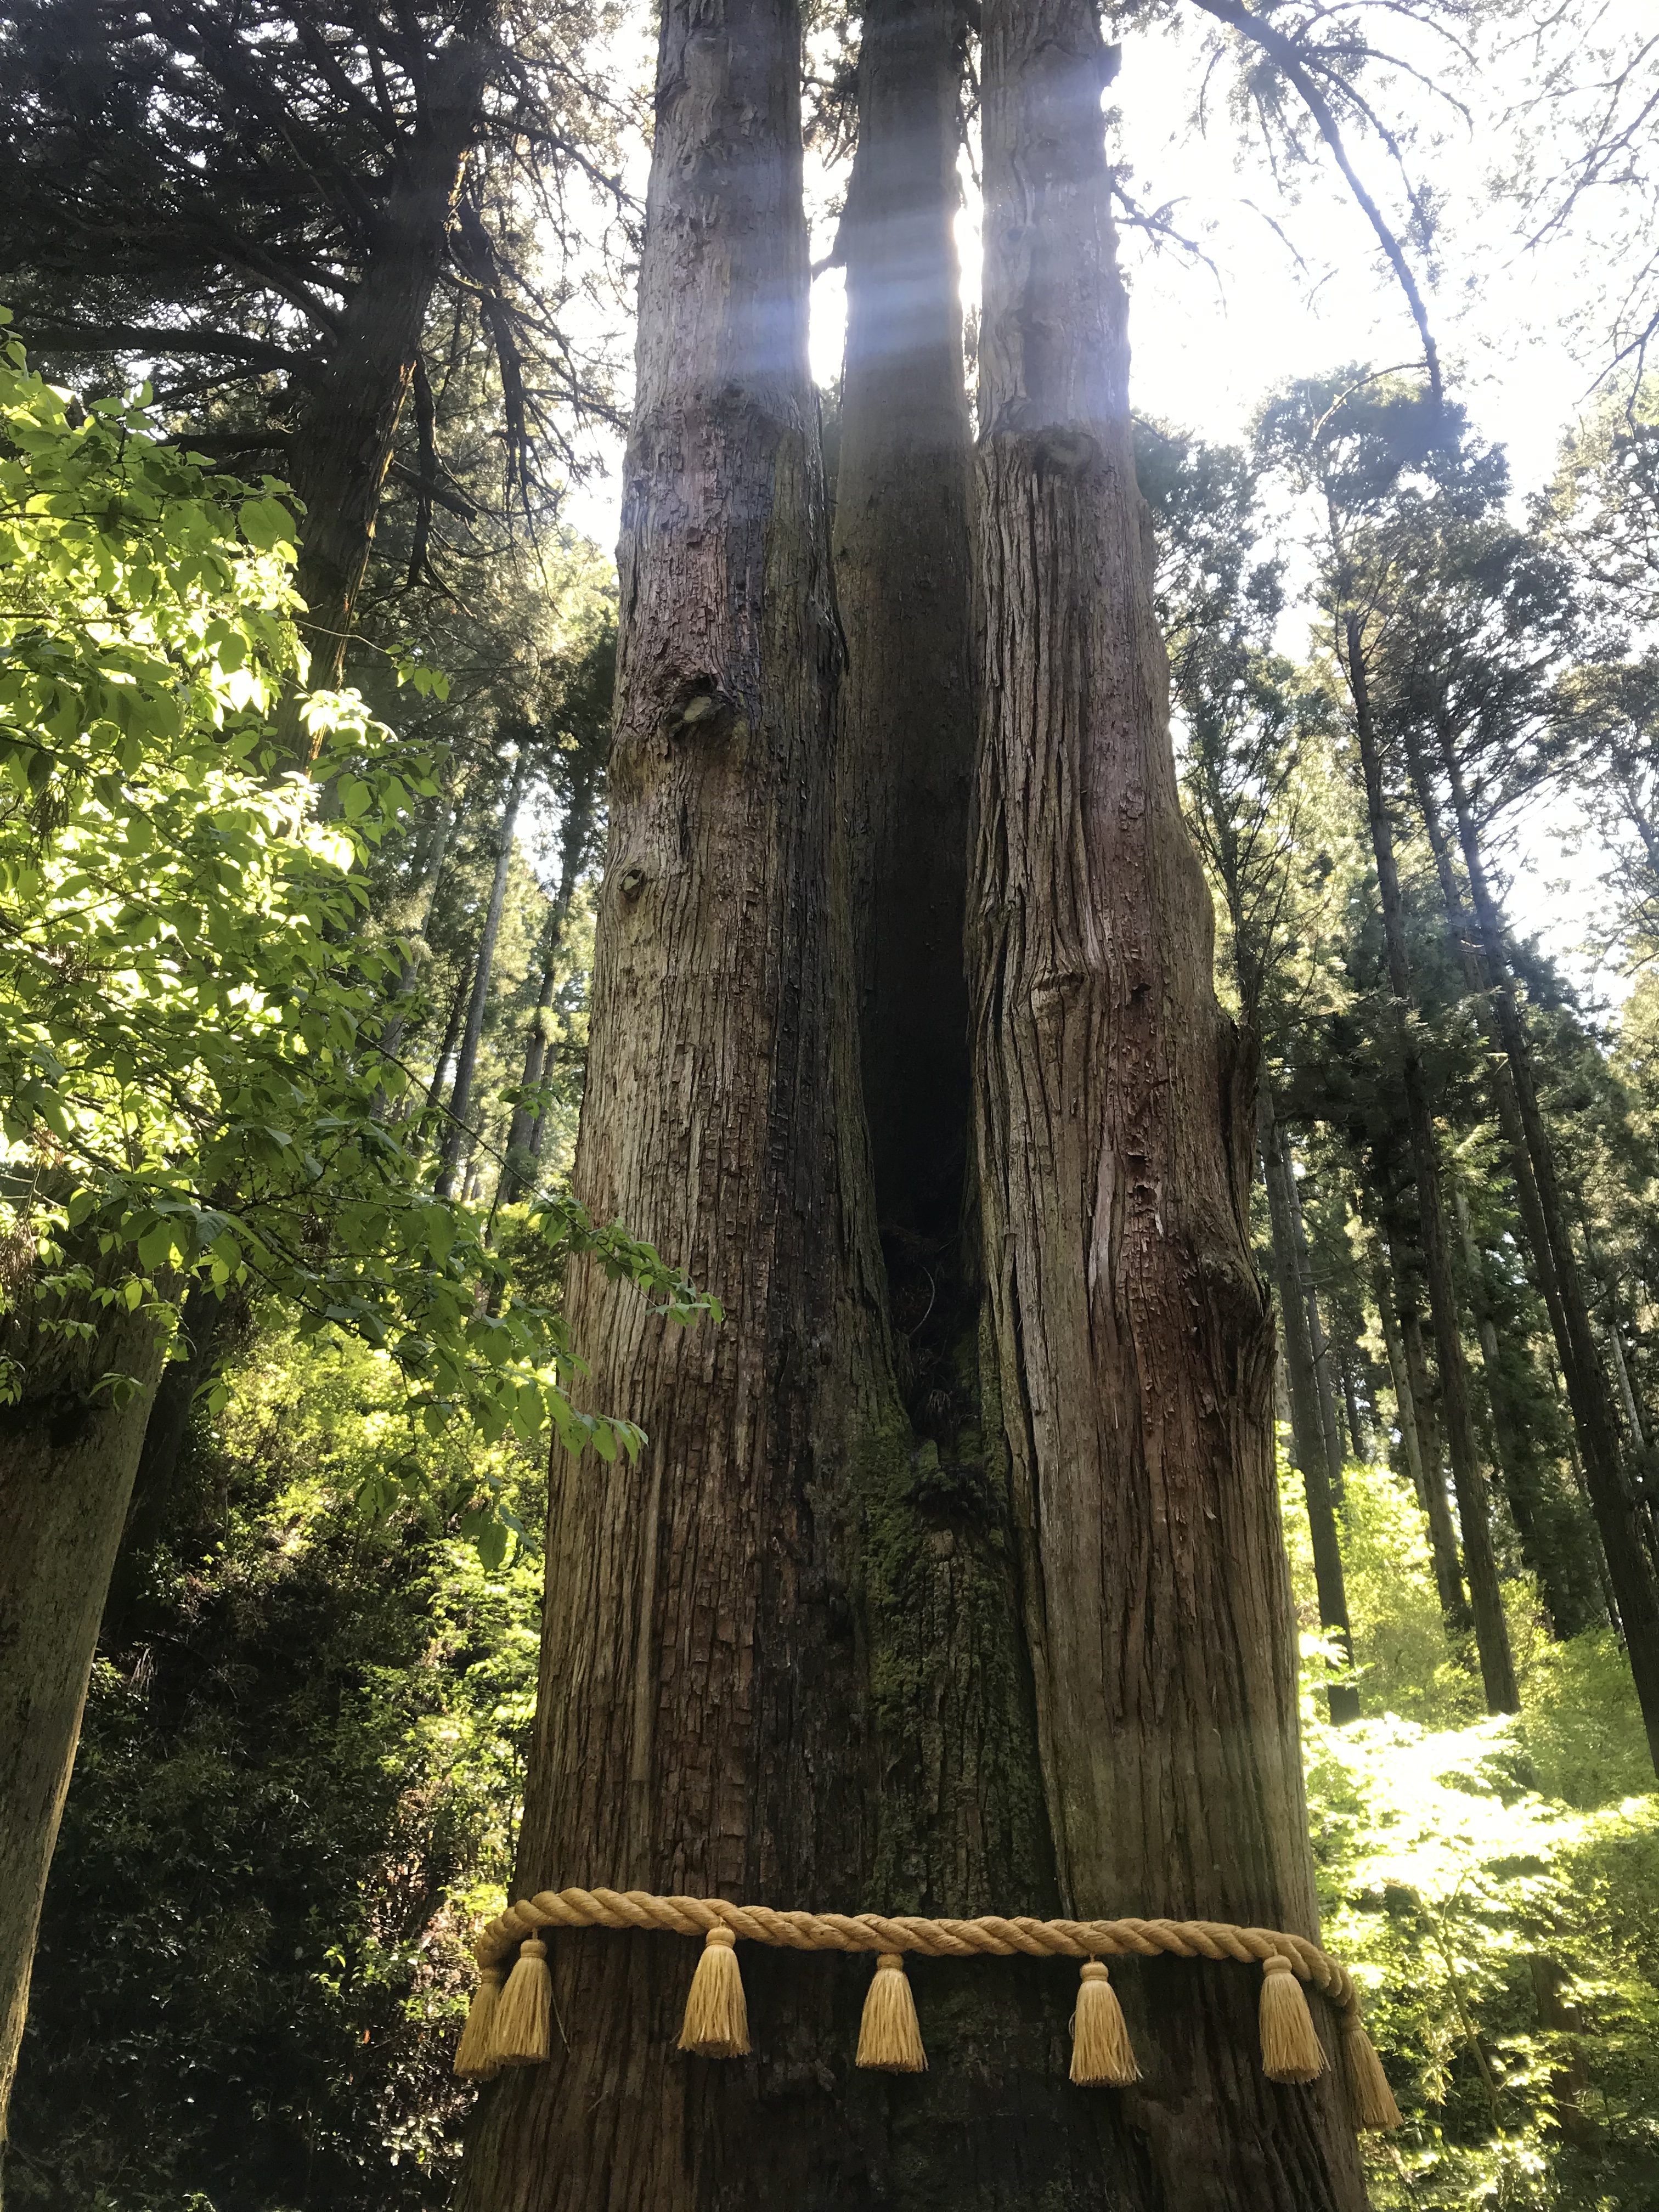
1492 1634
903 581
1318 1343
349 409
1307 1429
1114 1128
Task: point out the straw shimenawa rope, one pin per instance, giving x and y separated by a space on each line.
716 2026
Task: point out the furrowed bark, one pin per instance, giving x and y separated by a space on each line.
903 581
68 1454
701 1724
1114 1131
1492 1634
1307 1429
1618 1515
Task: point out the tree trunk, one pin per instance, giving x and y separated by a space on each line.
1357 1432
459 1137
1617 1514
1306 1430
1115 1133
1550 1553
68 1454
1547 1547
701 1725
1492 1634
349 413
1318 1343
575 837
1443 1536
430 875
903 581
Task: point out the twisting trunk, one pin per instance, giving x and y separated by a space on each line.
1491 1633
69 1447
524 1149
904 586
1114 1130
699 1726
1618 1516
459 1136
1306 1430
350 409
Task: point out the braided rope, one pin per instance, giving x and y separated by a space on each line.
939 1939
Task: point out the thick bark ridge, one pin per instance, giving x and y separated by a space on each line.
1115 1128
904 582
699 1722
68 1454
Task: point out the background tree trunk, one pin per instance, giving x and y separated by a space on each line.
1307 1429
349 409
1114 1128
1491 1633
459 1136
1618 1516
67 1461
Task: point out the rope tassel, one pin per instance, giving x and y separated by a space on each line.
475 2056
523 2011
716 2023
1102 2055
889 2036
1368 2085
1291 2051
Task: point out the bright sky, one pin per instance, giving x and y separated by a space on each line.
1209 343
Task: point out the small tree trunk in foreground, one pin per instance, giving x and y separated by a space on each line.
1306 1430
1114 1132
68 1454
1491 1633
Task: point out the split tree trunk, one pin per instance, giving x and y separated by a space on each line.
1491 1633
68 1454
1617 1514
1115 1133
1307 1429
